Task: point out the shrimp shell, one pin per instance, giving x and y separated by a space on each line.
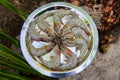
70 42
55 62
76 22
43 25
72 59
78 41
58 15
67 35
42 50
79 32
84 47
36 35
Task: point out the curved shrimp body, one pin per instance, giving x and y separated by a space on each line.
43 25
70 42
84 47
40 51
80 42
36 35
77 27
55 61
71 59
58 15
67 35
78 32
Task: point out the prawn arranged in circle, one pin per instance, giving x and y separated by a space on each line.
59 37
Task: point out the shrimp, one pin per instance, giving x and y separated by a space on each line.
36 35
67 35
58 15
70 42
55 62
44 26
78 32
84 47
77 42
74 23
71 57
42 50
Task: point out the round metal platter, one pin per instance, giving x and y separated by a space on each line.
86 60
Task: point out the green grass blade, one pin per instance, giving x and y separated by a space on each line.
3 78
17 55
8 38
15 60
11 7
22 64
12 76
12 66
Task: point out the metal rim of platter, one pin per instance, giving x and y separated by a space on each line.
35 64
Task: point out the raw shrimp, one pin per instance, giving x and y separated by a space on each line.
36 35
78 32
58 15
71 59
84 45
70 42
74 23
77 41
42 50
43 25
67 35
55 61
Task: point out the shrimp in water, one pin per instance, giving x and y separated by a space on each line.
55 61
42 50
43 25
71 59
36 35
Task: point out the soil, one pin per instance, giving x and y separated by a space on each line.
104 66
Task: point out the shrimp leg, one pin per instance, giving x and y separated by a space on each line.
36 35
44 26
55 62
72 59
40 51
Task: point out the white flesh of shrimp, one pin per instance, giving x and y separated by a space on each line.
71 57
40 51
36 35
43 25
58 15
55 62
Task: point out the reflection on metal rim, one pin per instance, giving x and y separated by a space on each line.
35 64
